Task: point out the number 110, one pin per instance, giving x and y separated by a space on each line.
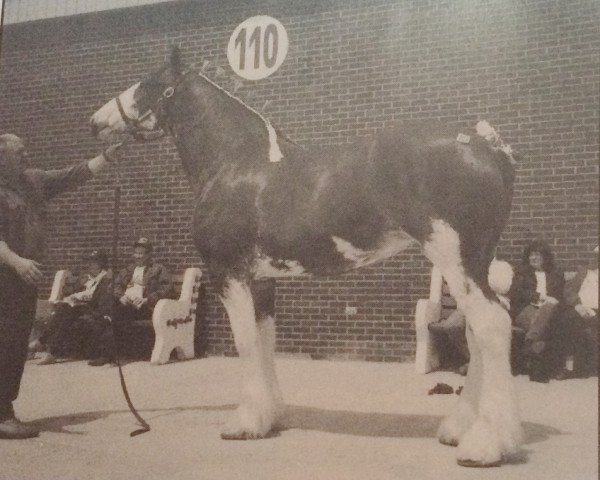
268 42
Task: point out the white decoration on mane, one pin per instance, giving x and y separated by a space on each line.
275 154
485 130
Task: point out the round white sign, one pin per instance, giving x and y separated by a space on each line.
257 47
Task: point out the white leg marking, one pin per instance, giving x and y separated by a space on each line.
266 331
497 430
458 422
443 249
257 410
489 394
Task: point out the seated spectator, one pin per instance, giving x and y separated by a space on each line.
137 288
76 317
577 327
451 331
535 294
141 284
450 337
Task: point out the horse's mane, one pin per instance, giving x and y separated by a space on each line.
266 121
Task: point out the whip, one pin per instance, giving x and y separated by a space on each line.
115 248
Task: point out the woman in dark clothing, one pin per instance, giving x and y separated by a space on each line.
535 294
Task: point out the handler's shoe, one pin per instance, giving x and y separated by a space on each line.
565 374
47 359
13 429
35 346
98 362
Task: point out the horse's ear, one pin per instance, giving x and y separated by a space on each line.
175 59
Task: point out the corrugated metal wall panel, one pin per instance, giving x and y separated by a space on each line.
17 11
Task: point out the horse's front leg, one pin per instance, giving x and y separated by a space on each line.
462 418
260 402
496 432
486 426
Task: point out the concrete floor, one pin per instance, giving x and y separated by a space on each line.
345 420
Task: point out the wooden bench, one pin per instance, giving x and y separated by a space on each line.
429 310
173 320
438 306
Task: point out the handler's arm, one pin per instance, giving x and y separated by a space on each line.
27 269
58 181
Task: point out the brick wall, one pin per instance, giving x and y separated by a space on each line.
530 68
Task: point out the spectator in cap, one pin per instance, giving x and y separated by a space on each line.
79 318
24 193
142 283
137 288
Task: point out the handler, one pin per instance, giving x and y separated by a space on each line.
23 194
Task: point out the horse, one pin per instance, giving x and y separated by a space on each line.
266 207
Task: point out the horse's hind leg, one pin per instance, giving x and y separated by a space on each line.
260 401
486 424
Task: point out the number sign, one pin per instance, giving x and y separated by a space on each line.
257 47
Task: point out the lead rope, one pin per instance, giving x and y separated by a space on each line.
115 248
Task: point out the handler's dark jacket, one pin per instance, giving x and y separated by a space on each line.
523 288
156 283
22 206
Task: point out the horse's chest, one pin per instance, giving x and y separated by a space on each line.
225 222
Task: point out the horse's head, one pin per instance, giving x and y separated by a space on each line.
138 109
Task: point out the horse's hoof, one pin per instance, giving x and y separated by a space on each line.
451 442
240 436
476 464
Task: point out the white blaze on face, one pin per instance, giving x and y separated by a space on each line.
108 119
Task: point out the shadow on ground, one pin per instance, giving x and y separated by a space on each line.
384 424
362 424
59 424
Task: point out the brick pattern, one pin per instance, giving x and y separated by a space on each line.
530 68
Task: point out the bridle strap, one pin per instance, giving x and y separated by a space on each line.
126 118
137 130
135 124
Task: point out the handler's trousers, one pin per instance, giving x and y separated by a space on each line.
17 313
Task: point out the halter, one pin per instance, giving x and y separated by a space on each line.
136 129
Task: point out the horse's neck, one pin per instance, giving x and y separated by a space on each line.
211 127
